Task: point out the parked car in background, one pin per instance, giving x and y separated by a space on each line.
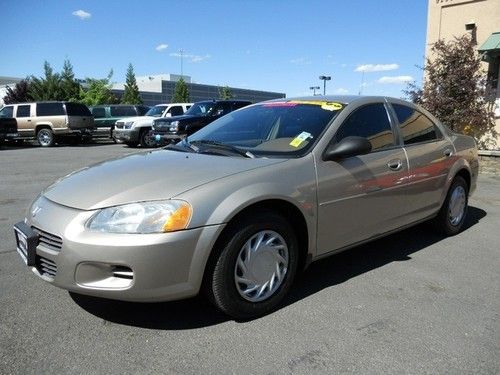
239 207
137 130
172 129
8 129
49 122
106 115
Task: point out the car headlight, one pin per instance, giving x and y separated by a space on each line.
143 217
174 126
128 125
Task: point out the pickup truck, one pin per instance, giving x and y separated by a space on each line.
137 130
8 129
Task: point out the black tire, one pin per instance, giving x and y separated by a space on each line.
45 137
450 221
220 284
146 140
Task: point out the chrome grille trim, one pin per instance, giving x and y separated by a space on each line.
46 267
48 240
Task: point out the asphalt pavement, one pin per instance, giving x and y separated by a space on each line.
410 303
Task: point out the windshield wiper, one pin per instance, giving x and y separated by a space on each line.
224 146
183 146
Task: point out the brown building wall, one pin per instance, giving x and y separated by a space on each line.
448 18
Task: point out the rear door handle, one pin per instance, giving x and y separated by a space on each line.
448 152
395 164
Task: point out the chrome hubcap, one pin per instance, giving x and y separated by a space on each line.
457 205
44 137
261 266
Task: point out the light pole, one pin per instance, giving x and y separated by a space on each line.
324 79
314 88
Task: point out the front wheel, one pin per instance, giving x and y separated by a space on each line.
45 137
147 140
256 266
452 215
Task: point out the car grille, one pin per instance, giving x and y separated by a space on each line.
48 240
45 266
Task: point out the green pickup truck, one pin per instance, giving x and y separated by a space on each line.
106 115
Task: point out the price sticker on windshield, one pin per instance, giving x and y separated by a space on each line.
298 140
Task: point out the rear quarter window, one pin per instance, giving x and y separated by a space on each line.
98 112
122 111
76 109
415 126
50 109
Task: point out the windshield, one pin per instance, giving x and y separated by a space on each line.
272 129
156 111
200 109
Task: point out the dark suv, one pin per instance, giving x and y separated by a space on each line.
171 129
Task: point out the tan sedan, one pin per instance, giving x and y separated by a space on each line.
238 208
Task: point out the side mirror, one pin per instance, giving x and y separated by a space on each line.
219 112
347 147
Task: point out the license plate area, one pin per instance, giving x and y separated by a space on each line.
26 242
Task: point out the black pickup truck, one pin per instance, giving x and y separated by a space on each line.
8 128
172 129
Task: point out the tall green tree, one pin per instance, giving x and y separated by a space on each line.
225 93
131 93
97 91
181 92
47 87
455 90
18 94
69 85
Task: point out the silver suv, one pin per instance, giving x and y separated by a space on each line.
50 121
137 130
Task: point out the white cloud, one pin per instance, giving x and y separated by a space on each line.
341 91
196 58
190 57
83 15
395 79
369 68
161 47
300 61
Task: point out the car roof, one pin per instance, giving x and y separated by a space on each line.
344 99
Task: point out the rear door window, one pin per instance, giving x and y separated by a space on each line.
370 122
414 125
98 112
50 109
23 111
176 110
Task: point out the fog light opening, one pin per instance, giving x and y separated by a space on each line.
123 272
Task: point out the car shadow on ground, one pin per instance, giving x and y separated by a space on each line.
33 144
197 312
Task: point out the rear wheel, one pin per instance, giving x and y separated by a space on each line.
45 137
256 266
452 215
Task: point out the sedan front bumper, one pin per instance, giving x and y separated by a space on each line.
131 267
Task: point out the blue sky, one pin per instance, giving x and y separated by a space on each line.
270 45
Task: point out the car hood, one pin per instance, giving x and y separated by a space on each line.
152 175
137 118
